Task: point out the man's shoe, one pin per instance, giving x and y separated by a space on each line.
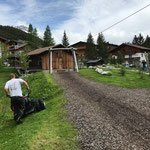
19 121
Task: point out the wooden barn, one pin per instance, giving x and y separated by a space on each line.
53 58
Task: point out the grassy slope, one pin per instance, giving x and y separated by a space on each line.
131 79
48 129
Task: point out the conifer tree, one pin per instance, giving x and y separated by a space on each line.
65 40
48 40
147 42
91 52
138 40
120 58
102 48
35 32
135 40
30 29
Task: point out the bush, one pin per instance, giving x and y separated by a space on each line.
8 70
123 70
141 74
40 87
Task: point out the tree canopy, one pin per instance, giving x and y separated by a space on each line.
65 40
30 29
138 40
35 32
48 40
147 42
120 58
91 52
102 48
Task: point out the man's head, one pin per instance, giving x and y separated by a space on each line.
11 75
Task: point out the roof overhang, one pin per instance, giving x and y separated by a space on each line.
64 49
50 48
130 45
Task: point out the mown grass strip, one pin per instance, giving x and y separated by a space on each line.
48 129
130 80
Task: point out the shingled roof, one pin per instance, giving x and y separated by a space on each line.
44 49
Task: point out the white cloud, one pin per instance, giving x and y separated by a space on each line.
20 22
83 16
96 15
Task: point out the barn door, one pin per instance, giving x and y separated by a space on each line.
59 60
60 63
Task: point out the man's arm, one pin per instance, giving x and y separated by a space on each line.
6 92
26 84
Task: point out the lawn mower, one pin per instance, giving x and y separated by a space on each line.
27 107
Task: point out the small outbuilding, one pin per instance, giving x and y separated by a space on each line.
95 62
53 58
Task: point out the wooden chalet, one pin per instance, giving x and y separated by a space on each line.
13 44
81 48
53 58
133 54
15 50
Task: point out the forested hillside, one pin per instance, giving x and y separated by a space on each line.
13 33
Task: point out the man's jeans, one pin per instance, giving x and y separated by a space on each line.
18 106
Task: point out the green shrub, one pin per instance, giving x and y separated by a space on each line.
123 70
40 87
8 70
141 74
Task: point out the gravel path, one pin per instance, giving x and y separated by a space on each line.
107 117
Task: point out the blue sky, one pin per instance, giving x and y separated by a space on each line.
78 17
39 13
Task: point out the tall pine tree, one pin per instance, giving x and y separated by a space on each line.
91 52
138 40
48 40
135 40
120 58
30 29
147 42
102 48
35 32
65 40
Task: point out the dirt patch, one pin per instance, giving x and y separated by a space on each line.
107 117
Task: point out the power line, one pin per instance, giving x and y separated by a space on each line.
124 19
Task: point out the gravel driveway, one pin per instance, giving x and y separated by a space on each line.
107 117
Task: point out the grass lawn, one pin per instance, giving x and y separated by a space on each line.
45 130
130 80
